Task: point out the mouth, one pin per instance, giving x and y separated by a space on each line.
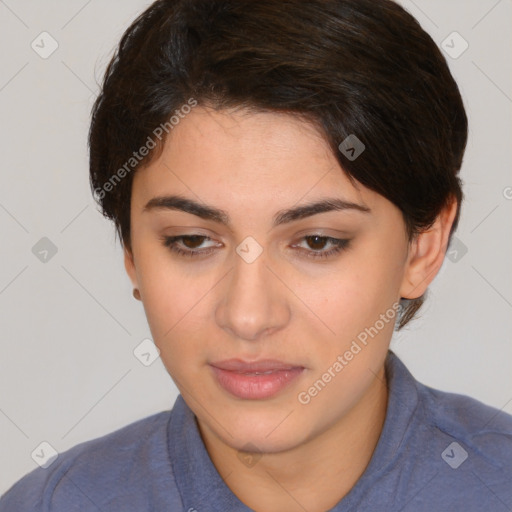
255 380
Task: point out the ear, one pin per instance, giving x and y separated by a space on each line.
426 254
129 265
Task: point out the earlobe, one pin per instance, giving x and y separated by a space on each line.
426 254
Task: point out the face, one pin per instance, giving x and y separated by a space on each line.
241 270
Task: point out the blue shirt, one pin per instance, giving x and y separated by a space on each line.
437 452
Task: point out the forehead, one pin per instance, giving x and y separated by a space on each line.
237 159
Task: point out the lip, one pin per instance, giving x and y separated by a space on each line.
255 380
263 365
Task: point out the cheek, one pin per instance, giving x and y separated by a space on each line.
350 302
346 358
354 295
166 291
178 306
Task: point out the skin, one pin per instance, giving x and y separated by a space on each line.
284 305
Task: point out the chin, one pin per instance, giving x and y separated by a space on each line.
253 442
265 433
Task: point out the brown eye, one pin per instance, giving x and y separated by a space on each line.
193 241
316 242
188 245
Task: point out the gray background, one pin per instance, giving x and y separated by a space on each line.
69 324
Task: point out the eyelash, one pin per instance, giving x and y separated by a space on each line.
170 243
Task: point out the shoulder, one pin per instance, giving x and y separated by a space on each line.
120 470
444 416
450 451
485 430
466 416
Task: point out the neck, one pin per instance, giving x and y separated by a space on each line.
314 476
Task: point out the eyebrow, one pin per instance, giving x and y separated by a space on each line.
207 212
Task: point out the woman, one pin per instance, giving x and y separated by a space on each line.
284 179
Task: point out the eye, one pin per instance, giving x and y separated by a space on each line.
318 242
189 245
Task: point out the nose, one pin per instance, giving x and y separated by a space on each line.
253 300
